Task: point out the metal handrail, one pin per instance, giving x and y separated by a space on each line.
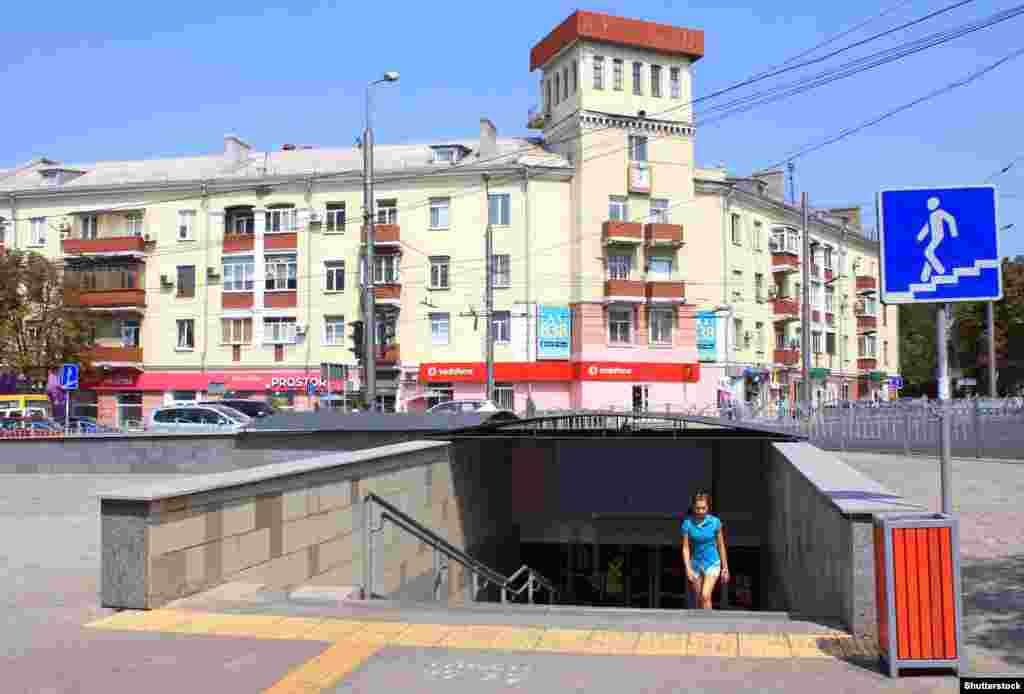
441 546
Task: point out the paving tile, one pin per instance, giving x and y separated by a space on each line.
764 646
810 646
662 643
255 626
717 645
335 629
613 642
145 620
475 637
377 633
326 669
564 640
518 639
422 635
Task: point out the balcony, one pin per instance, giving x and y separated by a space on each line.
108 298
787 357
287 299
115 355
281 241
387 294
786 309
389 354
666 292
815 316
116 245
830 318
867 363
663 235
622 232
239 243
815 270
625 290
785 262
867 323
866 283
385 235
829 275
235 300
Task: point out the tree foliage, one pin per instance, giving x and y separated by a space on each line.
41 326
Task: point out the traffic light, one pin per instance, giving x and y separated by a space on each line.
357 336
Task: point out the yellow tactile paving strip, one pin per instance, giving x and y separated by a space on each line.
354 641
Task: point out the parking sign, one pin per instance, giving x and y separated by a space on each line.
939 245
69 377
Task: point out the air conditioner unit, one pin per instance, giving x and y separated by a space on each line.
300 330
212 273
165 280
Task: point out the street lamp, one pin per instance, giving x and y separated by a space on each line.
370 333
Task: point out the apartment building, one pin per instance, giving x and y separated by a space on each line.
241 271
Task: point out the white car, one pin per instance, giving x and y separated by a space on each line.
463 407
184 419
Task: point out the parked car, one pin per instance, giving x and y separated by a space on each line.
463 406
88 425
184 419
251 408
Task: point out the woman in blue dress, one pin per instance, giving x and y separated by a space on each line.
704 552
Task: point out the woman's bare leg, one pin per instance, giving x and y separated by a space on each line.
710 579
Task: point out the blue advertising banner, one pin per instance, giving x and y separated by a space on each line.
707 338
553 332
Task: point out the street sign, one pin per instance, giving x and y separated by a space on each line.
896 382
939 245
69 377
311 387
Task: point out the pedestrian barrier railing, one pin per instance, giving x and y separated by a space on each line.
525 581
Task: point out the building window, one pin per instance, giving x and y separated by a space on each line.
547 96
638 148
129 410
620 326
334 330
736 229
439 213
844 390
619 266
759 329
565 83
279 331
659 211
334 218
501 267
656 81
502 330
38 230
282 272
90 226
558 88
830 300
440 392
445 155
618 208
236 331
239 274
385 269
675 86
281 219
504 396
867 346
499 209
740 339
830 343
758 233
186 225
759 287
133 224
334 274
617 74
816 342
780 340
598 72
129 332
659 269
660 321
885 352
575 76
439 265
387 211
240 221
186 281
186 333
638 87
827 257
737 285
439 328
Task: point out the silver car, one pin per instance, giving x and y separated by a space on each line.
185 419
463 407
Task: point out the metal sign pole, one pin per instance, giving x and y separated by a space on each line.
946 461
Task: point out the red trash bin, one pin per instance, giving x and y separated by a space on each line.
917 583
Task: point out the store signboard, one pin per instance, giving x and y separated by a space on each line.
707 336
554 331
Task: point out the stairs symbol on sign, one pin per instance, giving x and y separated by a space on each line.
954 278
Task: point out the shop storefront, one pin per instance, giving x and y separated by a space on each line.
125 398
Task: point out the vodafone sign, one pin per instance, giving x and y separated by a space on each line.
563 371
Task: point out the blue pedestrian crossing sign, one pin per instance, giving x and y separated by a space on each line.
69 377
939 245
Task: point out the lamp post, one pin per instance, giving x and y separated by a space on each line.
990 320
369 310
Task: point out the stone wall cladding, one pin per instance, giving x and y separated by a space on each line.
280 531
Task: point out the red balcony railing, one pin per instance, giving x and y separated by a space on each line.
129 355
866 283
622 232
867 363
663 234
625 289
239 243
787 357
866 322
387 292
786 308
118 244
384 234
107 298
388 354
785 262
666 291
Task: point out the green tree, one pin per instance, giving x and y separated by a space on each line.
41 325
917 346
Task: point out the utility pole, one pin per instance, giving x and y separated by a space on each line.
489 291
946 465
369 310
805 307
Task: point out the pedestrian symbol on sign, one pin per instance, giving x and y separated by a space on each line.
936 221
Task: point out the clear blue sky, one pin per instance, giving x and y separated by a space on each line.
118 80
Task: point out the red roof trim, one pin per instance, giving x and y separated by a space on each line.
618 30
